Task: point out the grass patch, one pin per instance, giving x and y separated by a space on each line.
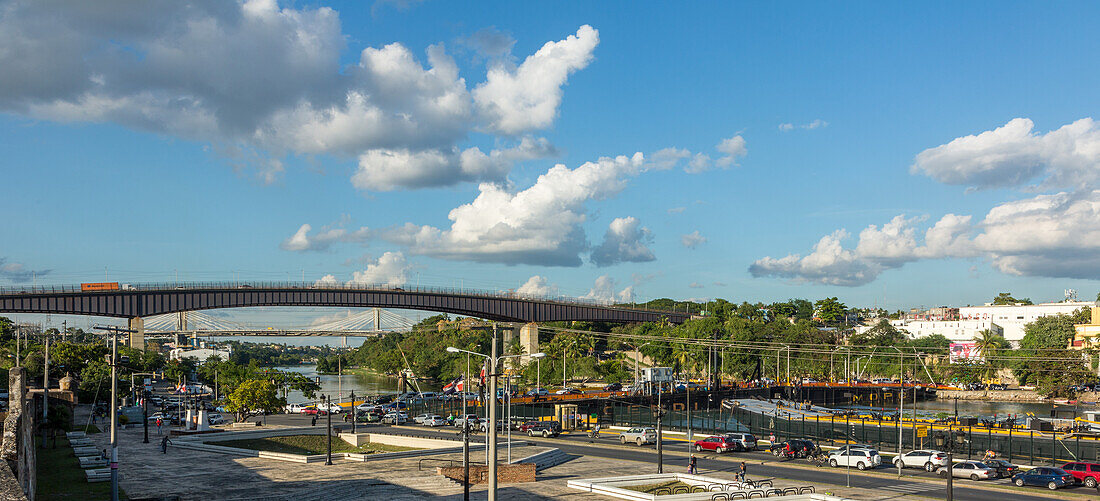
308 444
90 429
651 488
60 477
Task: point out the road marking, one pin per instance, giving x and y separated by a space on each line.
907 488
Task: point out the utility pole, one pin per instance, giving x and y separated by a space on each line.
493 417
328 429
114 332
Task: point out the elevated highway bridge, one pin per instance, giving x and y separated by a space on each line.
144 300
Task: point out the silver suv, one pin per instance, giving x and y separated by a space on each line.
639 435
744 441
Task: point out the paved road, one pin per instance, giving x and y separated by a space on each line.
760 465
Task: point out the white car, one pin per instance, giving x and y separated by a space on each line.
331 407
639 435
420 419
974 470
862 459
214 419
365 407
922 458
395 418
434 421
295 408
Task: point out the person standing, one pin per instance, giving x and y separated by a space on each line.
741 472
159 422
691 465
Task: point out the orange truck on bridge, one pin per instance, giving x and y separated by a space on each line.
99 286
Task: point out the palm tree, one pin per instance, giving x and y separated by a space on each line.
987 343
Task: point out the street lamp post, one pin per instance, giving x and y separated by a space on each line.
353 412
494 362
901 402
328 430
114 408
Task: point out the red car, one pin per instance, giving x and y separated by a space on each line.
717 444
527 426
313 411
1084 473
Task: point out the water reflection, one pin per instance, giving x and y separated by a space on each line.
340 387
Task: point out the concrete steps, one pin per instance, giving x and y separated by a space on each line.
545 459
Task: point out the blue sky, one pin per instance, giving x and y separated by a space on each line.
201 152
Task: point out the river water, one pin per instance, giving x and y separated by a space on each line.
340 387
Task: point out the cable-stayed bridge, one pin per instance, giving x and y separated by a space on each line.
370 322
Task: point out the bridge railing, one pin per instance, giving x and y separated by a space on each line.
282 285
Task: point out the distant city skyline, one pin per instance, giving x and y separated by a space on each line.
889 154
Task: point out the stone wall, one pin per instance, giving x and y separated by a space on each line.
997 395
506 473
17 446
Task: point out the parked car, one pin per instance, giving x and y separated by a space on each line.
1052 478
974 470
501 426
639 435
862 459
214 419
420 419
312 410
527 425
613 387
1004 468
434 421
998 386
922 458
545 428
1084 473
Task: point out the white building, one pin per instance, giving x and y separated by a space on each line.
954 330
201 354
1012 318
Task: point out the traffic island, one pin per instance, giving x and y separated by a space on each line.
680 486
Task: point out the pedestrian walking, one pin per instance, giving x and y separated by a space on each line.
691 465
771 438
164 445
313 422
741 472
159 422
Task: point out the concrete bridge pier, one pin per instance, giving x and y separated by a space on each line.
137 339
529 339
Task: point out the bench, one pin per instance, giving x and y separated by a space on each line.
74 434
98 475
80 442
92 462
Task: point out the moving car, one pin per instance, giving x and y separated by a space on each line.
718 444
472 418
527 426
568 391
420 419
395 418
742 441
295 408
793 449
1084 473
639 435
1004 468
613 387
862 459
545 428
922 458
1052 478
541 392
434 421
330 407
974 470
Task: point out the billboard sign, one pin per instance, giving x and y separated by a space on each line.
965 352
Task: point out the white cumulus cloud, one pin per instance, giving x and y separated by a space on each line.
538 225
517 100
537 286
1014 154
624 242
390 270
603 291
693 239
259 81
302 241
732 149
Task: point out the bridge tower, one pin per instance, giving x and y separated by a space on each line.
137 338
181 321
378 319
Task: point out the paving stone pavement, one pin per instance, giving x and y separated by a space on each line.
197 475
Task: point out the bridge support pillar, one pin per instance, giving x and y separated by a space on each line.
137 339
529 339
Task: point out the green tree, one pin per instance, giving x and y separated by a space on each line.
1006 298
830 310
1046 361
252 398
